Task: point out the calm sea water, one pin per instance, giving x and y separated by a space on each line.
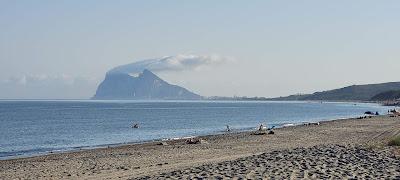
36 127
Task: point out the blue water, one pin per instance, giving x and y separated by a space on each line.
35 127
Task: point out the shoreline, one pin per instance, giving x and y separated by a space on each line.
115 145
150 159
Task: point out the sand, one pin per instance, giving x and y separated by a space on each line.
318 162
351 148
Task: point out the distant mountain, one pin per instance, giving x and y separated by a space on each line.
297 97
350 93
146 86
387 96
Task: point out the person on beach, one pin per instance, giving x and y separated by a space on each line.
228 129
261 127
135 126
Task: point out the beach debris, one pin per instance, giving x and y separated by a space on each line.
394 112
163 143
191 141
364 117
135 126
369 113
196 141
313 123
271 132
259 133
202 141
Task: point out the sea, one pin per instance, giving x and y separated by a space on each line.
35 127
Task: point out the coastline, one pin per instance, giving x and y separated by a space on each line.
60 143
183 138
144 159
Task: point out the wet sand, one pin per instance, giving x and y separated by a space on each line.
350 148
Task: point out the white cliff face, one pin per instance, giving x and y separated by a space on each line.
143 87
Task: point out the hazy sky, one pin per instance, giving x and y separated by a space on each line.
62 49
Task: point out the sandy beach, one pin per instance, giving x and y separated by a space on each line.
350 148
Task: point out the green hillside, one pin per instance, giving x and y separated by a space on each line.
387 96
349 93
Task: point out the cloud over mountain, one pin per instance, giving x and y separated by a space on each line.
170 63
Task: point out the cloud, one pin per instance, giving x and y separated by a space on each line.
171 63
47 87
27 80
